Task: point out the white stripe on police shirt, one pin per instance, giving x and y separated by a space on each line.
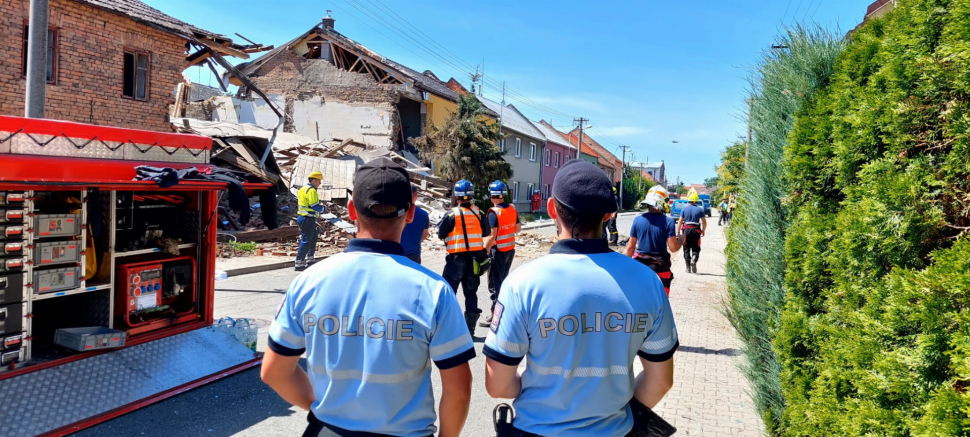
580 316
372 322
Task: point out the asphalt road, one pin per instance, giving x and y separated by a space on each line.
241 405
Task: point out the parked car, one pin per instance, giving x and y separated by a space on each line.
676 207
706 199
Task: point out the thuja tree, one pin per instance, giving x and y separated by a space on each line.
875 334
781 84
464 148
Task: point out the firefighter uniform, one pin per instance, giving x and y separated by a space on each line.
652 229
463 229
580 316
692 216
309 205
371 323
503 218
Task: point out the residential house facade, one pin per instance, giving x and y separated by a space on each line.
608 162
557 151
657 171
523 143
334 88
109 62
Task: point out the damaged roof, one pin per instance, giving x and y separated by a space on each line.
512 119
426 82
142 13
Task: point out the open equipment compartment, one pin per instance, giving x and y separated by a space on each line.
86 246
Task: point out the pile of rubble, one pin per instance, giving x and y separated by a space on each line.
288 161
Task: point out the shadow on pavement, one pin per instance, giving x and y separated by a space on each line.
731 352
274 291
220 409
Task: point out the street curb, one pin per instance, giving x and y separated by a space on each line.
259 268
537 225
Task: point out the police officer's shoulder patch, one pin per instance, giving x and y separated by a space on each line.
496 317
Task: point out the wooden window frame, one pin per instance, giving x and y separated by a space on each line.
134 84
57 52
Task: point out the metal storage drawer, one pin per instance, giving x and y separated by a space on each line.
11 288
11 318
11 265
56 252
11 248
16 232
12 215
12 197
57 225
46 281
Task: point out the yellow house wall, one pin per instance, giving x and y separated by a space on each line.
439 110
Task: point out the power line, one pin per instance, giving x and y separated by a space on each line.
816 8
491 83
786 11
807 10
795 14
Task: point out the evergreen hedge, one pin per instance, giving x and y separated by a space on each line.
874 336
783 81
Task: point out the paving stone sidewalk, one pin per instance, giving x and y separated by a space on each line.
711 396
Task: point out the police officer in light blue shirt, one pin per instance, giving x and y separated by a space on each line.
372 322
580 316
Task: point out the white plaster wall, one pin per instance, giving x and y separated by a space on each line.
365 124
256 112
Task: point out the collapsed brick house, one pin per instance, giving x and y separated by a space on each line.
110 62
333 88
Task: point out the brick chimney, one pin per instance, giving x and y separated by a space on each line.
328 21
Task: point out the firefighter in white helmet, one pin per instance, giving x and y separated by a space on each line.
653 237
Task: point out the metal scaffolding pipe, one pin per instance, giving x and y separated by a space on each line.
36 60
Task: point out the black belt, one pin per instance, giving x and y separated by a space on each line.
318 428
646 423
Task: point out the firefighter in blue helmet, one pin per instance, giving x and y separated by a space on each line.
503 218
463 230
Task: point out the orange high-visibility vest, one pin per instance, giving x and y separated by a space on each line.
455 242
505 234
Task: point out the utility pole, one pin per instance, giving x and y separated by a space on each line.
580 120
622 172
36 60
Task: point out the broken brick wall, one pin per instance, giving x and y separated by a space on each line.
325 102
90 66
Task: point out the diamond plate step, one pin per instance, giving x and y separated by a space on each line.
48 399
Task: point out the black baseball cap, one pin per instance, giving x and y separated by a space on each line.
382 182
584 188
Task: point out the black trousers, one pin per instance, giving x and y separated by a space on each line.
722 218
614 234
692 245
501 265
660 264
460 271
416 257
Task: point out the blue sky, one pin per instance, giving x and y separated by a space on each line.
646 73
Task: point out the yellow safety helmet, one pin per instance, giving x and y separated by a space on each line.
693 197
316 175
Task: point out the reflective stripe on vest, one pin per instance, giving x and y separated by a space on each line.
307 198
455 241
505 235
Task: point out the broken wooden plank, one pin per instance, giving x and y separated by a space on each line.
267 234
241 149
332 152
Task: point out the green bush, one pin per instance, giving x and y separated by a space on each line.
782 83
873 338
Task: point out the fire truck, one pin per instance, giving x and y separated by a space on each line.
107 283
